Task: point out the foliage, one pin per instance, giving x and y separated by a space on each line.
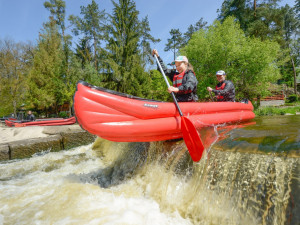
46 79
125 66
266 20
201 24
158 87
146 39
270 111
249 62
175 42
63 114
292 98
15 62
92 27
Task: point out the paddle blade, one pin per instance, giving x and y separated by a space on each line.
192 139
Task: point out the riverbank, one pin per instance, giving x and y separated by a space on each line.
277 110
23 142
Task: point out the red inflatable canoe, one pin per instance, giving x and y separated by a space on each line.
41 122
125 118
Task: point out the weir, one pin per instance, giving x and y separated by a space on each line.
250 175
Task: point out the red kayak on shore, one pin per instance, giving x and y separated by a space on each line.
125 118
41 122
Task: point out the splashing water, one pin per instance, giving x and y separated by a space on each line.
153 183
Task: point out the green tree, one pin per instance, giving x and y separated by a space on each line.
92 27
291 29
158 87
15 62
125 64
146 39
175 42
297 8
46 79
57 10
266 20
201 24
262 18
83 52
249 62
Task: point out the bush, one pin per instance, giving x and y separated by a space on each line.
270 111
63 114
292 98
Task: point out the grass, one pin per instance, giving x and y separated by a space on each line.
288 108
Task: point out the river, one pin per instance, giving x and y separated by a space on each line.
249 175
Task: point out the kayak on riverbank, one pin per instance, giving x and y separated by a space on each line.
41 122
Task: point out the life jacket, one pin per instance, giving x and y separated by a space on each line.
177 79
219 97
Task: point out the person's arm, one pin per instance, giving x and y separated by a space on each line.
189 83
169 72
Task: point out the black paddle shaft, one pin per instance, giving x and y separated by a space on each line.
167 82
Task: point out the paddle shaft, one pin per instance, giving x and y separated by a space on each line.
211 96
167 82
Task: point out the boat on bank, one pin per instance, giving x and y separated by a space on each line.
125 118
41 122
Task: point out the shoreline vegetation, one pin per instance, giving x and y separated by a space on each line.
287 109
92 45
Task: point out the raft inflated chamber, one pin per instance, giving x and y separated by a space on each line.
125 118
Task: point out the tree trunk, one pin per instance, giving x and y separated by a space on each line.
258 101
254 7
295 76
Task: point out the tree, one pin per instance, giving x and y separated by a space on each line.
249 62
266 20
193 28
146 38
15 62
47 88
175 42
261 19
158 87
92 27
57 10
125 65
297 8
291 23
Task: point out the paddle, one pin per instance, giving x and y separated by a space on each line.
190 134
212 99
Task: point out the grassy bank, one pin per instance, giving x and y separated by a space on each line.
278 110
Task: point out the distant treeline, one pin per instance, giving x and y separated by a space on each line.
255 42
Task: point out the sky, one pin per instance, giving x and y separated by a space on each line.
21 20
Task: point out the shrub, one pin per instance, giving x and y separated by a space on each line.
292 98
63 114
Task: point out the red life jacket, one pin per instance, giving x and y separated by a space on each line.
219 97
177 79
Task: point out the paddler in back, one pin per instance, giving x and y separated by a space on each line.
224 90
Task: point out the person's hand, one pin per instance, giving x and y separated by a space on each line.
155 52
209 89
173 89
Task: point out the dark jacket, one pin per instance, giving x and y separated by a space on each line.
228 93
188 89
30 117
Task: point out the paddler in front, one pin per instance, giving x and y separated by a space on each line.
183 77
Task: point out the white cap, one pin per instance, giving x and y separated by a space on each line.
180 58
221 72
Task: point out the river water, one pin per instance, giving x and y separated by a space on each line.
249 175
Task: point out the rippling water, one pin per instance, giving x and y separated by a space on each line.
249 176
